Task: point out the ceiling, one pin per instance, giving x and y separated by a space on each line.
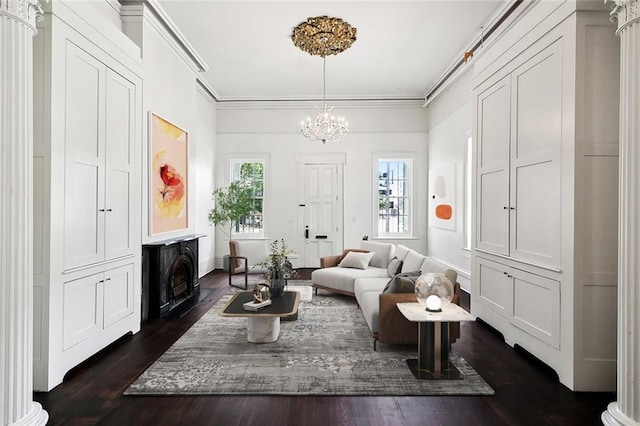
402 46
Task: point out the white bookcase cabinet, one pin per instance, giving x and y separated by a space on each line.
546 169
87 148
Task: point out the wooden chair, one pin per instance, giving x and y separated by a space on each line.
244 257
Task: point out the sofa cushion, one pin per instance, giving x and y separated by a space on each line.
368 284
413 261
402 283
369 306
394 267
402 251
430 265
342 279
383 252
356 260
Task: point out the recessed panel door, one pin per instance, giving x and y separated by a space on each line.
322 211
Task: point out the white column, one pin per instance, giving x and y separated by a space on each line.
626 410
17 28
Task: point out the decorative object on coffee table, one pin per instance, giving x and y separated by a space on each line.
278 267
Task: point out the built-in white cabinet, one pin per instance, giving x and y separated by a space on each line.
87 190
519 155
96 302
99 119
546 152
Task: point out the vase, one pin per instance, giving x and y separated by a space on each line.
277 287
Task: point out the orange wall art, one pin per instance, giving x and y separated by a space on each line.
442 197
169 156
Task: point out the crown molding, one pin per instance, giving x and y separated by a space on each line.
307 104
133 10
499 23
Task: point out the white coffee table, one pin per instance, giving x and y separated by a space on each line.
433 340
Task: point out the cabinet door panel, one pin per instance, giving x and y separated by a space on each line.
536 306
493 110
119 129
118 294
495 287
536 218
535 161
537 95
82 309
84 223
493 226
83 192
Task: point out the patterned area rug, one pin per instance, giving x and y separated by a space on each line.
327 351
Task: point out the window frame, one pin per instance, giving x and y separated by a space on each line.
410 159
468 192
232 163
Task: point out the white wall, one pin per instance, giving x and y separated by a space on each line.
450 120
274 129
202 161
172 92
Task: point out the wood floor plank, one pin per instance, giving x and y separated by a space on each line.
527 393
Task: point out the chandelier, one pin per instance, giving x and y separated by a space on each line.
323 36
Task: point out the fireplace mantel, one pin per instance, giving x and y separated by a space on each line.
170 276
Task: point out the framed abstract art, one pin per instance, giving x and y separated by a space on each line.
169 154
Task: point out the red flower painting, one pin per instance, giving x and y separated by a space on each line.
169 176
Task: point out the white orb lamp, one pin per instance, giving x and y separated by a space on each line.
434 290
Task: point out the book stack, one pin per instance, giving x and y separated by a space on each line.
251 306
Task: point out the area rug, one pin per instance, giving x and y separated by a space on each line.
327 351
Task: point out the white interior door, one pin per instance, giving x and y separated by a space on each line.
320 212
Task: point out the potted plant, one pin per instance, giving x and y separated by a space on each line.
278 267
233 204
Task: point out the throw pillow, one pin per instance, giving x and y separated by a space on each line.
402 283
383 252
356 260
394 267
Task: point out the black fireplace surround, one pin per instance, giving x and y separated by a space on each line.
170 277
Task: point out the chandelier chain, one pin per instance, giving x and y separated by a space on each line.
323 36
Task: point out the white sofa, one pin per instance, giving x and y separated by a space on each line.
367 286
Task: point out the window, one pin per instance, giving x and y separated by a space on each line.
394 197
251 172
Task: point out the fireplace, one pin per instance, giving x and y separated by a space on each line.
170 284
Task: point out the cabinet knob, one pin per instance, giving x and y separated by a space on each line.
101 210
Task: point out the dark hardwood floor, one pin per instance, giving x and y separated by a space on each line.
527 393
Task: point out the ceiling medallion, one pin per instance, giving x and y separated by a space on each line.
323 36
